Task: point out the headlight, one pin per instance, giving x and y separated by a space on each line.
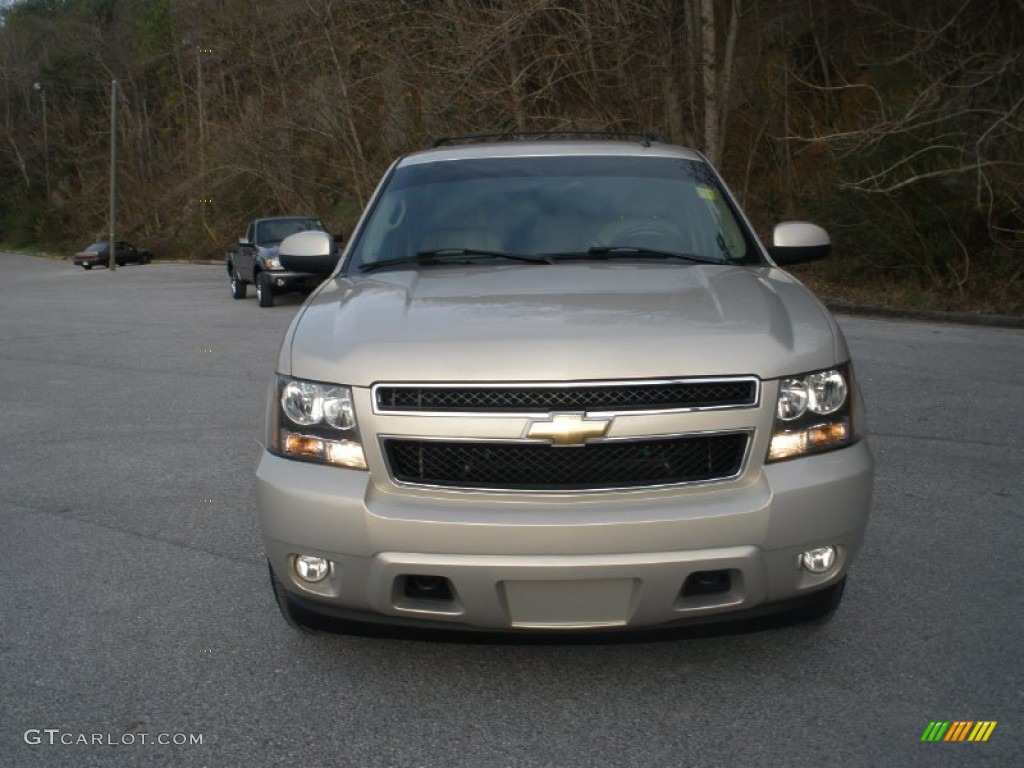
819 393
813 413
793 399
272 262
313 421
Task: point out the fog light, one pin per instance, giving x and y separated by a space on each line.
280 281
311 569
818 560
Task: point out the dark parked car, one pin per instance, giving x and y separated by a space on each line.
98 254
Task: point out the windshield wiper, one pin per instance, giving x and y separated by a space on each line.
441 256
632 252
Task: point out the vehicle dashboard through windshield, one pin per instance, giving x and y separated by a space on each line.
551 208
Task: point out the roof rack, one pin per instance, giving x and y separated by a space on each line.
643 137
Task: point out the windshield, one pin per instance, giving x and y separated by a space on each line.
276 230
568 207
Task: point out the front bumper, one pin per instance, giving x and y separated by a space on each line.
282 281
562 561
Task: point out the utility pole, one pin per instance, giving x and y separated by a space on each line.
201 109
112 260
46 140
202 133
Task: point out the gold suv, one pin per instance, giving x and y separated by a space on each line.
558 385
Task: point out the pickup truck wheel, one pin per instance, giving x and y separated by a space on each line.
295 616
238 286
264 293
87 266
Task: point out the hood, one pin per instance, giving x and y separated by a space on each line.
570 321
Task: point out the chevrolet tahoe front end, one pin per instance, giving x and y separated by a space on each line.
482 433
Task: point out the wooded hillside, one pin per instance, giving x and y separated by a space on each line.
896 124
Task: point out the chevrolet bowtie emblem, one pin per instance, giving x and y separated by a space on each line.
568 429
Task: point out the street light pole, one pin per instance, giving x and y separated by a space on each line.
112 260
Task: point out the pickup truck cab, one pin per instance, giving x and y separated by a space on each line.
253 260
560 386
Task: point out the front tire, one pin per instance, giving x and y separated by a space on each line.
87 266
264 292
238 286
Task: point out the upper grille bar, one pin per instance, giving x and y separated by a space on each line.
631 396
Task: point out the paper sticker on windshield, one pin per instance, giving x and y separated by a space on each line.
707 193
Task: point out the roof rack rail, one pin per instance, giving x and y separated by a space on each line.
644 137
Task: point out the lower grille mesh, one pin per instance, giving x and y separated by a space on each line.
541 467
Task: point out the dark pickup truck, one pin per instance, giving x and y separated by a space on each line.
254 260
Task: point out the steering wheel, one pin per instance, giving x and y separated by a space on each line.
648 233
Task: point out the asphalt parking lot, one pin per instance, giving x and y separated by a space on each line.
136 611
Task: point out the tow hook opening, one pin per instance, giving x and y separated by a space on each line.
707 583
423 587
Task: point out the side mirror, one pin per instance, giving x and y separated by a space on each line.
796 242
244 241
313 252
